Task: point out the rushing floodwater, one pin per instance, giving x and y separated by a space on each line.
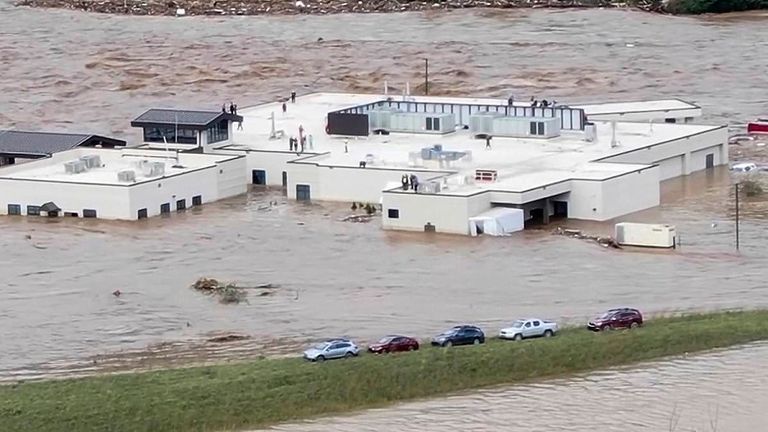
71 71
721 391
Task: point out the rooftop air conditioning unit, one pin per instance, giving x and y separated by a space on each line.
91 161
153 169
126 176
75 167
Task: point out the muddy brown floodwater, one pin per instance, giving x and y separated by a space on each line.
720 391
64 70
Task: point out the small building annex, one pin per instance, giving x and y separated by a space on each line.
126 184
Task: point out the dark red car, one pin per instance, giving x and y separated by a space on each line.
617 319
394 343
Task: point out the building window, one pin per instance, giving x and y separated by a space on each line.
436 124
71 214
89 213
670 120
218 132
393 214
33 210
197 200
181 205
171 134
142 213
533 128
541 128
14 209
165 208
429 123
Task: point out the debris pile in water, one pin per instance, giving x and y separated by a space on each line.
293 7
577 234
230 292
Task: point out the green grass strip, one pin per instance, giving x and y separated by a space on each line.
265 392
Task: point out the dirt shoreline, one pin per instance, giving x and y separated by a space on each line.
311 7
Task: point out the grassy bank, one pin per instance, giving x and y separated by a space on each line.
233 397
714 6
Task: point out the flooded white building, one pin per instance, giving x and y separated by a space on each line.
441 164
125 184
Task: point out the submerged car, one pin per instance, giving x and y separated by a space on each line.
617 319
529 328
332 349
460 335
394 343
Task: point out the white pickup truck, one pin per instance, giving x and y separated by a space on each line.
529 328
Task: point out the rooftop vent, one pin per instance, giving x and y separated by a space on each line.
126 176
91 161
75 167
153 169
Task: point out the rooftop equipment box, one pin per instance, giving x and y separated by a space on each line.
482 122
429 123
526 127
646 235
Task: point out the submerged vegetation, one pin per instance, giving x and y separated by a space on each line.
713 6
265 392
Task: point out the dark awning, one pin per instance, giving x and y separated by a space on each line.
49 207
183 118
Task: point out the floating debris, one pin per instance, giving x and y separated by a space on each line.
578 234
358 218
228 338
230 292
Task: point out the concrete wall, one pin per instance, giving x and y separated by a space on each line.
604 200
151 195
449 214
232 178
110 202
335 183
692 150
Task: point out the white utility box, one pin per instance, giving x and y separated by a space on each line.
646 235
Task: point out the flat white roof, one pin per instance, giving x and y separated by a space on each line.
113 161
661 105
521 163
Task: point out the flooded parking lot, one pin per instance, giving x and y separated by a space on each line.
79 72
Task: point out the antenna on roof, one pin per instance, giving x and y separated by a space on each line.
272 133
613 134
650 126
386 88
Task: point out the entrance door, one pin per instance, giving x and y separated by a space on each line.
710 160
560 209
285 179
302 192
259 177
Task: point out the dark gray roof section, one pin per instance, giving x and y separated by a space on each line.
41 144
183 118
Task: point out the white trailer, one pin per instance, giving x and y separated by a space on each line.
646 235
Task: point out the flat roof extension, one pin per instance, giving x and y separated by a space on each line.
23 144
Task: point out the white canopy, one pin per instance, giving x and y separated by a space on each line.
498 221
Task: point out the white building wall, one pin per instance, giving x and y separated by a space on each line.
109 201
449 214
232 179
585 200
630 193
604 200
657 116
336 183
692 150
151 195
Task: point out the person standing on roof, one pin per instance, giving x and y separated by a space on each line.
231 107
293 96
285 108
511 100
488 142
346 146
